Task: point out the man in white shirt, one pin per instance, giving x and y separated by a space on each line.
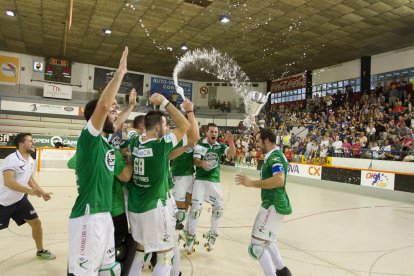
16 182
337 146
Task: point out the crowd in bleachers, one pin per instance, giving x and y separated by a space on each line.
375 125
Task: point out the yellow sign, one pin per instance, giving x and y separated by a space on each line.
9 69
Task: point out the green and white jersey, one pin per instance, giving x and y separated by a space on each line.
95 163
212 155
150 178
275 162
118 199
183 165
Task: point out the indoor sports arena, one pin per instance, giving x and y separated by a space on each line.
206 137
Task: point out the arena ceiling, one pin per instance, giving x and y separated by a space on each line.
267 38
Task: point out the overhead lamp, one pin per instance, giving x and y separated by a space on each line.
107 31
184 47
10 13
224 19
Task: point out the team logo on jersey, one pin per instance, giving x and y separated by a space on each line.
83 262
212 160
217 147
110 160
142 152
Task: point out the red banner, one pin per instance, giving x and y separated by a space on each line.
288 84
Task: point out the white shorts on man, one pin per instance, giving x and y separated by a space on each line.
183 185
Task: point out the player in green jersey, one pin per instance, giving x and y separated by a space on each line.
150 218
275 204
91 230
207 187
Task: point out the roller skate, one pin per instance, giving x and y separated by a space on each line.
153 261
182 236
189 244
211 240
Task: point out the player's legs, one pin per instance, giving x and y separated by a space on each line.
37 232
214 196
124 243
196 206
140 259
183 184
265 232
165 260
91 245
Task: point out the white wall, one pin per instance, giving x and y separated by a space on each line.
394 166
390 61
342 71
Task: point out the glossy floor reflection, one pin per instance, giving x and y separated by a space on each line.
329 233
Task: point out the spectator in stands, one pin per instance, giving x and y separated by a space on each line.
356 149
374 151
228 106
371 132
308 151
315 152
410 155
393 94
288 153
385 150
346 148
337 147
363 139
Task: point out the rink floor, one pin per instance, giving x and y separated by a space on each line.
329 233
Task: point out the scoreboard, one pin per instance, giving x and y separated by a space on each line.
59 70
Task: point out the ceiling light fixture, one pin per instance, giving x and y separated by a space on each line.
224 19
184 47
11 13
107 31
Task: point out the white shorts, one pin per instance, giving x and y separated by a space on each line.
91 243
267 224
182 185
153 229
210 192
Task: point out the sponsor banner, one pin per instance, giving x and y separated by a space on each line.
378 179
103 76
49 141
6 139
288 84
341 175
9 69
166 87
57 91
40 108
303 170
404 183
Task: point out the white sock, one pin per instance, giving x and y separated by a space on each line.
175 270
164 264
275 254
265 260
137 264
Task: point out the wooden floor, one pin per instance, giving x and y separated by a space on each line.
329 233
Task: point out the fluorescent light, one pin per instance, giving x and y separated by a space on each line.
224 19
107 31
184 47
11 13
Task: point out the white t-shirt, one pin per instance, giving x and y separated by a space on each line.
337 145
23 170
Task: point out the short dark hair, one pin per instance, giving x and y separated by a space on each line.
267 133
19 138
138 120
152 118
89 109
211 125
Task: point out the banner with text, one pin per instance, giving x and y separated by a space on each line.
378 179
103 76
303 170
49 141
288 84
39 108
57 91
9 69
166 87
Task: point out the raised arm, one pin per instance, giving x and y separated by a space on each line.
178 151
193 134
178 118
231 151
123 116
108 95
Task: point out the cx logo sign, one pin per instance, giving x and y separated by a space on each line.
314 171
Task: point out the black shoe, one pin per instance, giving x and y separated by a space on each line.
179 226
283 272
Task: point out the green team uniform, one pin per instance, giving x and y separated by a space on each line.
275 162
95 164
118 199
150 178
183 165
212 155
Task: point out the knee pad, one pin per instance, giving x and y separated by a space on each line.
257 248
217 212
165 259
110 270
180 215
195 211
145 257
